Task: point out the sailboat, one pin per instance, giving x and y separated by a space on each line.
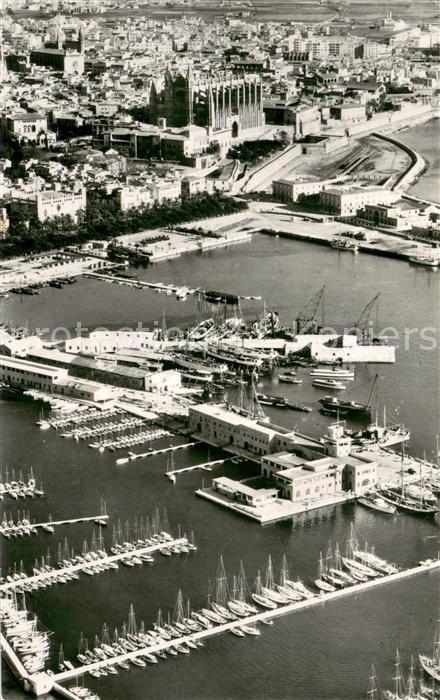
221 594
283 587
337 570
261 599
373 692
319 581
269 590
431 664
61 658
399 686
235 605
331 574
398 496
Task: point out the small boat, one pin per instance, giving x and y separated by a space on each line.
324 586
377 503
332 372
251 630
137 661
425 260
329 384
288 379
238 632
348 246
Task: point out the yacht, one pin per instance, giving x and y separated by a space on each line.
329 384
425 260
377 503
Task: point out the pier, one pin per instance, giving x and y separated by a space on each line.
136 283
27 527
205 466
432 565
51 576
133 456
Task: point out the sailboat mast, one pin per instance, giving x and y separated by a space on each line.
402 463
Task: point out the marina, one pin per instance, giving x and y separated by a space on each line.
220 254
235 615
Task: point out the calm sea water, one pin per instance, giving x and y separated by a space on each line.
425 139
322 653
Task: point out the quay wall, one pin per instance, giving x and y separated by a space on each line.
415 168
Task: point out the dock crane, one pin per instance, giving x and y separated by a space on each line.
306 320
361 326
368 404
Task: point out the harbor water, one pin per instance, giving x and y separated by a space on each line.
341 638
422 138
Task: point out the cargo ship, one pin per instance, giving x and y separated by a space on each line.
353 408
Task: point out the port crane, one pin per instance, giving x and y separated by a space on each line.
362 325
368 404
306 320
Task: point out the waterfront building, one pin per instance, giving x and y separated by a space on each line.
299 480
292 190
243 493
23 374
348 202
401 215
240 434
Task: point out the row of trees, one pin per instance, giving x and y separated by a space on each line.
251 151
103 220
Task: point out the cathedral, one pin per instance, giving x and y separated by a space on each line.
227 103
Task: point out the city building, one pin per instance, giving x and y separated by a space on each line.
52 203
23 374
27 126
242 493
229 102
298 480
348 202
